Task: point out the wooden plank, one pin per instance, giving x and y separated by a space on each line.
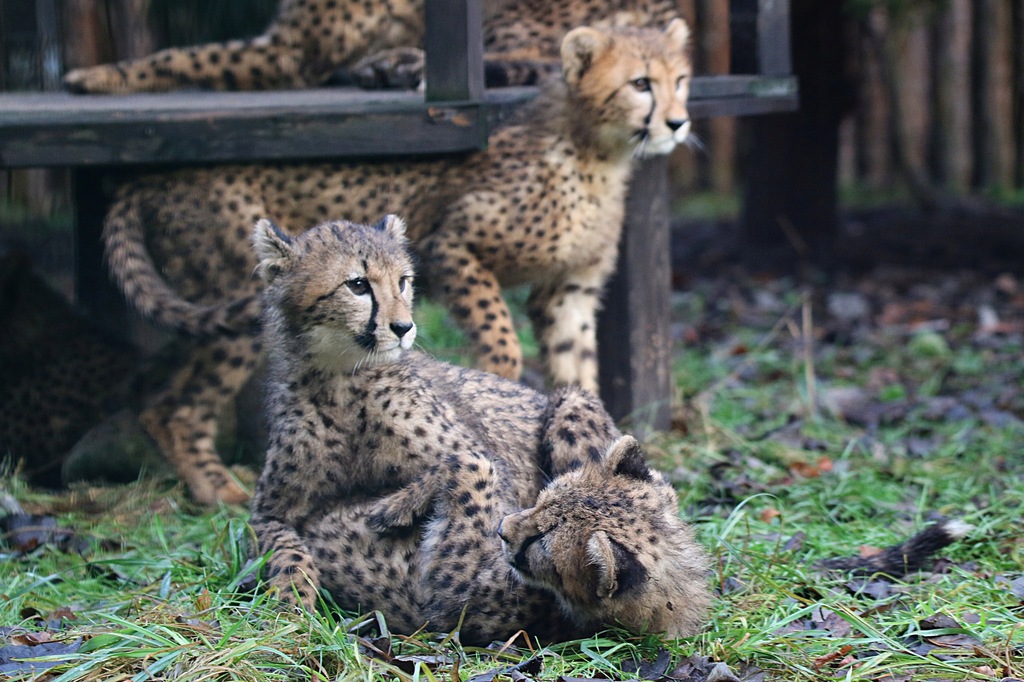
454 50
56 129
50 130
634 335
58 108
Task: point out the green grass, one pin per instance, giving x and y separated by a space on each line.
166 590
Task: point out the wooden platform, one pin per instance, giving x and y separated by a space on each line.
60 129
102 134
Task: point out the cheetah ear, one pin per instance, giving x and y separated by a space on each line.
393 226
626 458
618 569
679 33
273 247
580 47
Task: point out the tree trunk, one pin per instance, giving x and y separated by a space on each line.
941 95
918 185
1017 93
984 154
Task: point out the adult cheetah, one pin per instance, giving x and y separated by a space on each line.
309 40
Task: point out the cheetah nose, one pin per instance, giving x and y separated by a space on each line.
676 124
400 328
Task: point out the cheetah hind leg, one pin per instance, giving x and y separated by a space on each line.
183 419
577 428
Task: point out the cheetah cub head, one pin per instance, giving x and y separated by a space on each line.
608 541
630 86
340 292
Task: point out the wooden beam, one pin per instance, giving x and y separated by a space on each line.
634 335
54 129
59 129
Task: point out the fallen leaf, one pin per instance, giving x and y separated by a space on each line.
32 638
867 551
650 670
17 659
821 661
530 666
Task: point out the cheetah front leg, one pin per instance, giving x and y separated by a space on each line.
254 64
291 571
564 317
183 419
473 296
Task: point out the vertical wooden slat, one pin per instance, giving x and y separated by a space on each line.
634 335
760 37
95 295
455 50
48 32
4 47
1017 90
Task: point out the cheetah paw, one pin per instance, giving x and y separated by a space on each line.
96 79
399 68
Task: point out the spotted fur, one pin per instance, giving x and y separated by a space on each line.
388 473
59 375
311 39
542 206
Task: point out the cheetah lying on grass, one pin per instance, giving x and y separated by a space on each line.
310 39
431 492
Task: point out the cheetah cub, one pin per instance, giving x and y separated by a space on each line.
427 491
542 206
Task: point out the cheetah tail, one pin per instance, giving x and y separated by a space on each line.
907 557
133 269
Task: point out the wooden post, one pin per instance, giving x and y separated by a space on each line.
634 337
95 294
790 202
51 65
760 37
455 50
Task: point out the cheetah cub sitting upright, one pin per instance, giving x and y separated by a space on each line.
428 491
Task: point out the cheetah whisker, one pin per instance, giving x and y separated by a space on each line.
695 143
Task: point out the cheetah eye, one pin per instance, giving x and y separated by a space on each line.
641 84
403 283
360 286
682 79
